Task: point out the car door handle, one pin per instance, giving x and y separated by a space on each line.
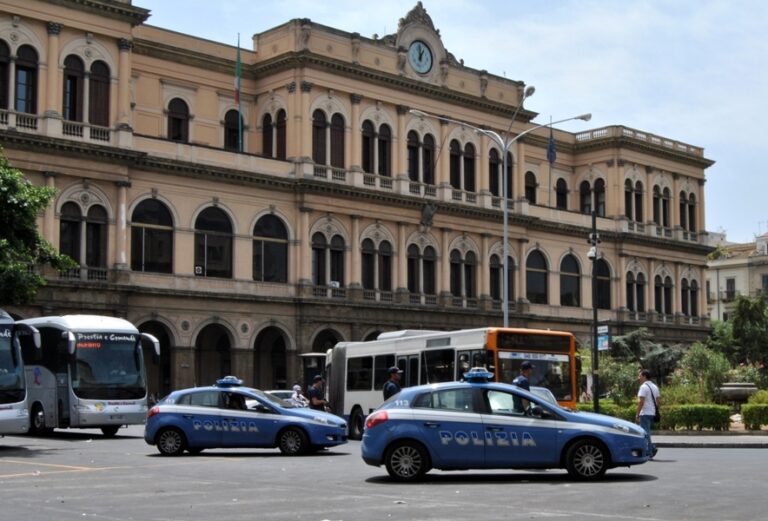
188 417
494 428
432 425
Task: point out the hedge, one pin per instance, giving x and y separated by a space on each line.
690 417
754 415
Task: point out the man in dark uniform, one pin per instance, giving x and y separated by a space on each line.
522 381
392 386
315 392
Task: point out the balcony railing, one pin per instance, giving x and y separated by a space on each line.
618 131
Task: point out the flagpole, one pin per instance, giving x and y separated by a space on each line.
237 99
551 155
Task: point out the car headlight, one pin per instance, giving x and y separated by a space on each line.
628 429
320 419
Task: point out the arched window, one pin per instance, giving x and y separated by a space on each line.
152 237
636 292
665 201
421 270
98 94
685 295
689 298
663 295
319 137
70 232
585 197
639 202
384 144
369 147
469 167
694 298
281 138
26 80
267 136
233 125
530 187
328 260
428 160
536 275
683 211
376 265
603 282
494 172
270 250
497 281
178 120
692 212
412 147
377 149
5 70
455 164
213 244
657 205
74 77
337 141
463 278
561 194
688 211
599 193
629 200
96 237
570 282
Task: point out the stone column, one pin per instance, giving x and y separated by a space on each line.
294 116
399 143
485 268
121 256
521 286
306 126
519 172
401 273
53 77
124 85
444 263
305 250
355 277
49 216
355 136
700 214
442 164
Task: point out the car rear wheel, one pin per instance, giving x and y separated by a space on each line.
293 442
587 460
407 461
170 442
110 431
356 420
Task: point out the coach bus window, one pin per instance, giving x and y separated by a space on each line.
380 375
438 366
359 377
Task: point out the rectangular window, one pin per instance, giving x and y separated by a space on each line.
359 373
380 367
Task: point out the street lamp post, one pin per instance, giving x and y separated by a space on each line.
594 240
505 143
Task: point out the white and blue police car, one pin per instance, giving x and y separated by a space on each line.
477 424
228 415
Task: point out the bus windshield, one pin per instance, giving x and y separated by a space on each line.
552 371
107 366
11 370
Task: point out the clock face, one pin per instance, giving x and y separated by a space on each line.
420 57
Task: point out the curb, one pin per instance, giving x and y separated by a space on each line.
711 444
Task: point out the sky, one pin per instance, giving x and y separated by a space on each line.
694 71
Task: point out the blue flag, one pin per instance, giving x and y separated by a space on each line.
551 151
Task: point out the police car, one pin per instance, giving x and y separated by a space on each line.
228 415
476 424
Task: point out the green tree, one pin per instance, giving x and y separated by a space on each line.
704 368
21 246
639 346
750 329
722 341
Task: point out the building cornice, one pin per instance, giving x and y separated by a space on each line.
122 11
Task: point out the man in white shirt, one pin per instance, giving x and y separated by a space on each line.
649 401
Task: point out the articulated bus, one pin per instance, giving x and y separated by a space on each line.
89 373
14 414
356 371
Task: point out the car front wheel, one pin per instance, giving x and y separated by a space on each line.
407 461
293 442
587 460
171 442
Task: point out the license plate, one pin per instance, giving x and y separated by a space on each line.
116 417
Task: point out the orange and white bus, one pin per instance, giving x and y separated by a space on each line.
356 371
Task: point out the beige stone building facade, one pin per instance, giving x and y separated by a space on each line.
246 228
734 270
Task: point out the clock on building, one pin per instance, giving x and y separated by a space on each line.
420 57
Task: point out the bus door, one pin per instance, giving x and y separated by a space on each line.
409 365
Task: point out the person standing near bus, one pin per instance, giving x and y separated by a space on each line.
316 400
522 381
392 386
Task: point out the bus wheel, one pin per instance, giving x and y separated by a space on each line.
110 431
37 421
356 421
407 461
170 442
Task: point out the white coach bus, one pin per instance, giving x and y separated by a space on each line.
89 373
14 412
